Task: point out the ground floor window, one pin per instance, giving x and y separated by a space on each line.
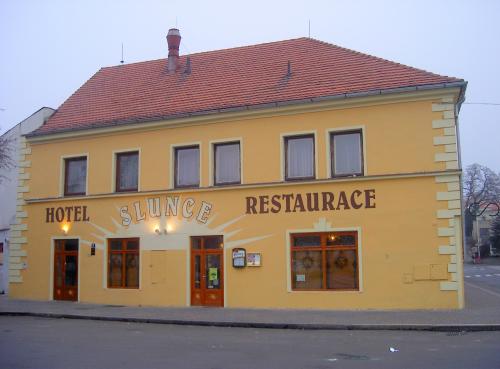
324 261
123 263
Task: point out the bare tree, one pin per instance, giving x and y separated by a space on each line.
6 155
481 186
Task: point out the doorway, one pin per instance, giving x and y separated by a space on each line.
66 270
207 271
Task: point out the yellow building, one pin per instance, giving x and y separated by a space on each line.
293 174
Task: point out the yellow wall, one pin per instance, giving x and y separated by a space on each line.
398 139
398 239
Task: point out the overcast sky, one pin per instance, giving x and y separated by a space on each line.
50 48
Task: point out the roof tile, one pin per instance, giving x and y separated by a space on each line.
222 79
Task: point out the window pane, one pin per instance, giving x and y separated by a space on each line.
213 271
59 245
59 271
314 240
71 245
195 243
76 176
188 167
116 244
341 269
128 166
70 276
115 270
213 242
197 271
306 270
132 270
347 155
133 245
300 157
227 163
341 240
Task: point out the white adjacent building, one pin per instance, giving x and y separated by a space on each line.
8 187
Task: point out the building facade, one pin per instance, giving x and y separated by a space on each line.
8 186
293 174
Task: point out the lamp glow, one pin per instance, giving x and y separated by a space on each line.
65 228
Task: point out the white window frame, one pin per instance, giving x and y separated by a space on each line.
283 137
211 159
329 132
113 169
62 172
173 147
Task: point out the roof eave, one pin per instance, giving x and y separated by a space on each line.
459 84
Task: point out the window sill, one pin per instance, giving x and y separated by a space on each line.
324 291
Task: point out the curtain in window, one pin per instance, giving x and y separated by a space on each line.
188 167
129 169
300 157
347 154
227 163
76 176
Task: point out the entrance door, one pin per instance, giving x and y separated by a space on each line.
66 270
207 271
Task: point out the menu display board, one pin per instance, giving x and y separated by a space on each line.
239 258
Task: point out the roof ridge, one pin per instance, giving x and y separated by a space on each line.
249 75
352 51
210 51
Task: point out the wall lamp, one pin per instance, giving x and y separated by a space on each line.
159 232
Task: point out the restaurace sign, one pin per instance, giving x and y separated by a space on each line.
311 201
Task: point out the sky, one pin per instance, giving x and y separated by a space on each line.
50 48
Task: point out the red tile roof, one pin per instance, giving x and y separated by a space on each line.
229 78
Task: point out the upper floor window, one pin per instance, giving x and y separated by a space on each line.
227 163
299 157
75 176
346 153
187 166
127 171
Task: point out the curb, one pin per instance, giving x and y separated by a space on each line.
297 326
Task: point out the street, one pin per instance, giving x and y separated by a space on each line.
39 343
484 276
28 342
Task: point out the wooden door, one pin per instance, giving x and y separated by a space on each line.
66 270
207 271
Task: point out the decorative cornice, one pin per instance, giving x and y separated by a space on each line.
342 101
250 185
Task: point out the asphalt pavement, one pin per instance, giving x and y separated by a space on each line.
40 343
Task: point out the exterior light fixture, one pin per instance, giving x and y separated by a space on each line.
65 229
159 232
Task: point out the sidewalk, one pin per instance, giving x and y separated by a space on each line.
482 313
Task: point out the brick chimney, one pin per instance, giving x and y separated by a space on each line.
173 40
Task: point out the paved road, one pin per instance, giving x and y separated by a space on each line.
486 277
27 342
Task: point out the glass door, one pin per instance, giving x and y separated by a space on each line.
66 270
207 271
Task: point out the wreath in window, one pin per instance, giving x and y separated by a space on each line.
307 262
341 261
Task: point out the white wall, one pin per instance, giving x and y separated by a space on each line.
8 185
